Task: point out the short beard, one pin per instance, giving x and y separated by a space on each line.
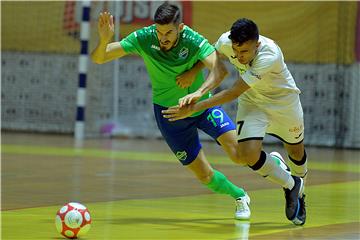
164 49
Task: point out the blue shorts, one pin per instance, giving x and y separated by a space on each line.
182 135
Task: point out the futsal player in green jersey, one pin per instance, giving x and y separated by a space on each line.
168 49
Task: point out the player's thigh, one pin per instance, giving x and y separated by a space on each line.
181 136
217 124
251 125
251 122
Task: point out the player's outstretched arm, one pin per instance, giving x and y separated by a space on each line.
217 74
227 95
106 51
185 79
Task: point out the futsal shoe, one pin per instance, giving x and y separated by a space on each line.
300 219
292 198
242 210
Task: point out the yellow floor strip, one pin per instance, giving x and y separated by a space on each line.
196 217
150 156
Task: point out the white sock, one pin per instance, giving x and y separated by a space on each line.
271 170
298 170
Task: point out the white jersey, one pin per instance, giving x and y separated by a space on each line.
272 104
267 74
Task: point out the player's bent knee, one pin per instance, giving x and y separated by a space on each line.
239 159
204 178
234 155
248 157
296 152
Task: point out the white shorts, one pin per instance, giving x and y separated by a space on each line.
282 121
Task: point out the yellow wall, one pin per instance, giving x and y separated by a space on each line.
306 31
309 32
35 26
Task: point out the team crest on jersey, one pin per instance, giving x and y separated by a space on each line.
184 52
241 70
181 155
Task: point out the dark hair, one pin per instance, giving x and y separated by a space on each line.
167 13
243 30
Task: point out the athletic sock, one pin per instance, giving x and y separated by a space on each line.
298 168
220 184
269 167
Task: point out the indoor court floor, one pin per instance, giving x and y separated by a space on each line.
136 189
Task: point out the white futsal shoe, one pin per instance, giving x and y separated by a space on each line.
242 210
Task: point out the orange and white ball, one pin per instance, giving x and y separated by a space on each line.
73 220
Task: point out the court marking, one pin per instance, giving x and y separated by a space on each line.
149 156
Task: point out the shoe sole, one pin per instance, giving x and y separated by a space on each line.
298 222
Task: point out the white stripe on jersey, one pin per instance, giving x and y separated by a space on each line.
202 43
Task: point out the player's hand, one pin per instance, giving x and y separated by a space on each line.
185 79
106 26
190 99
177 112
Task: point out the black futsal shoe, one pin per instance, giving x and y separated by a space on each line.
292 198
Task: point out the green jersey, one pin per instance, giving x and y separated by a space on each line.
164 66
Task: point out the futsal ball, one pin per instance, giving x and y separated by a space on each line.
73 220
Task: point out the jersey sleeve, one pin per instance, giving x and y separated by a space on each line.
263 63
205 49
219 46
131 43
202 44
223 45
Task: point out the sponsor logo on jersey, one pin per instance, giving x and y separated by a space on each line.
241 70
224 124
184 52
296 129
155 47
181 155
255 75
298 136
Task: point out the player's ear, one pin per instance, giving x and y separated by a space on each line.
257 44
181 26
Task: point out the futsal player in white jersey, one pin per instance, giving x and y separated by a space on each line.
268 102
